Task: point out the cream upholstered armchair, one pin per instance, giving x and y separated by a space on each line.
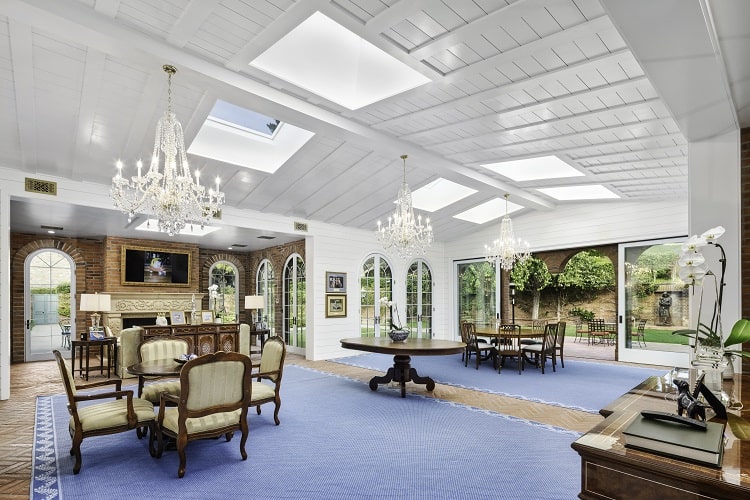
127 350
214 396
266 388
160 348
121 413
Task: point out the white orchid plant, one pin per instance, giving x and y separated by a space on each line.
395 320
693 270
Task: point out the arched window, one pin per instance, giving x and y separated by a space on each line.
376 281
49 290
266 286
419 299
295 298
224 275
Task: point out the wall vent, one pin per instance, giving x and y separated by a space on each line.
40 186
300 226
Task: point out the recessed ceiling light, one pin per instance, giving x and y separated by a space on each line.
152 225
487 211
587 192
323 57
438 194
531 169
52 228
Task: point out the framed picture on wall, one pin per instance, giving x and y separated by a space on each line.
335 282
177 317
336 306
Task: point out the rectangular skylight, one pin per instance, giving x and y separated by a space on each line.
245 119
152 225
487 211
588 192
323 57
438 194
531 169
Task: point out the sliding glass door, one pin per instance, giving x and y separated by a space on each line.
653 302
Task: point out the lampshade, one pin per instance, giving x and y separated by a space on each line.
254 302
95 302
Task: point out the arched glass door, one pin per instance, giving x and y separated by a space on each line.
225 306
376 281
266 286
294 303
50 297
419 299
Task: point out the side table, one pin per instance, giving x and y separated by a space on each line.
262 334
83 348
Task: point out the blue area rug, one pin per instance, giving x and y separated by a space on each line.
337 440
581 385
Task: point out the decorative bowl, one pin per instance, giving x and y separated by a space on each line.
398 335
184 358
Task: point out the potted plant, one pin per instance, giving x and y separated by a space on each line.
710 350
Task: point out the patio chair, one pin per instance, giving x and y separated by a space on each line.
122 412
597 334
64 332
640 333
215 392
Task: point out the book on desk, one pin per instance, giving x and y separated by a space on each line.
676 440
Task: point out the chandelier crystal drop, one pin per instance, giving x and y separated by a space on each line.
406 234
507 249
172 197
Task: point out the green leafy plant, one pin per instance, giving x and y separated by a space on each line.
582 313
709 337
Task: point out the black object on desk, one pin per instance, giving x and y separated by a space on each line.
83 349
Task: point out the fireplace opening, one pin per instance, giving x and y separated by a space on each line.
130 322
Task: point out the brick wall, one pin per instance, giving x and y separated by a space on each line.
98 268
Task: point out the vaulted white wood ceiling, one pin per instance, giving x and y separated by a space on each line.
82 85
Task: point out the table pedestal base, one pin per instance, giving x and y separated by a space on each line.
402 372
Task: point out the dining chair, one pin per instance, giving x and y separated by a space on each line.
117 412
266 388
640 333
481 350
215 393
560 343
160 348
511 347
547 349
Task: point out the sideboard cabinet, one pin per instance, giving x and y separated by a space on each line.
201 339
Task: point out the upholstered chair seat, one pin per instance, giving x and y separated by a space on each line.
160 348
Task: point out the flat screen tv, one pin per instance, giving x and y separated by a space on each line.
155 266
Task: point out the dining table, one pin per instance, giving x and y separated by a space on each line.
402 371
498 333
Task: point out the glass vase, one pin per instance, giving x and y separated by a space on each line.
711 360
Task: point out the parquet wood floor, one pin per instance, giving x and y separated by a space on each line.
28 380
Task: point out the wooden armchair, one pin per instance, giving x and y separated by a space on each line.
560 344
215 392
547 349
160 348
481 350
122 413
271 369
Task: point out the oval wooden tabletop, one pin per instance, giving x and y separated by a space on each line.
156 367
412 346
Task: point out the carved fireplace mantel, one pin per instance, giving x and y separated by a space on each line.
147 304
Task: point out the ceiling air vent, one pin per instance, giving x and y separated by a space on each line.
40 186
300 226
264 237
238 245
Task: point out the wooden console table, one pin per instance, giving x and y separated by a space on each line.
201 339
609 470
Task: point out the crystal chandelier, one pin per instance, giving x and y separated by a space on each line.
507 249
172 197
407 235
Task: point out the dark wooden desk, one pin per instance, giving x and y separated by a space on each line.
402 371
154 368
609 470
83 348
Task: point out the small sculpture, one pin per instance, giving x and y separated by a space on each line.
687 402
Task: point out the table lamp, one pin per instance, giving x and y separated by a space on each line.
255 302
95 302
